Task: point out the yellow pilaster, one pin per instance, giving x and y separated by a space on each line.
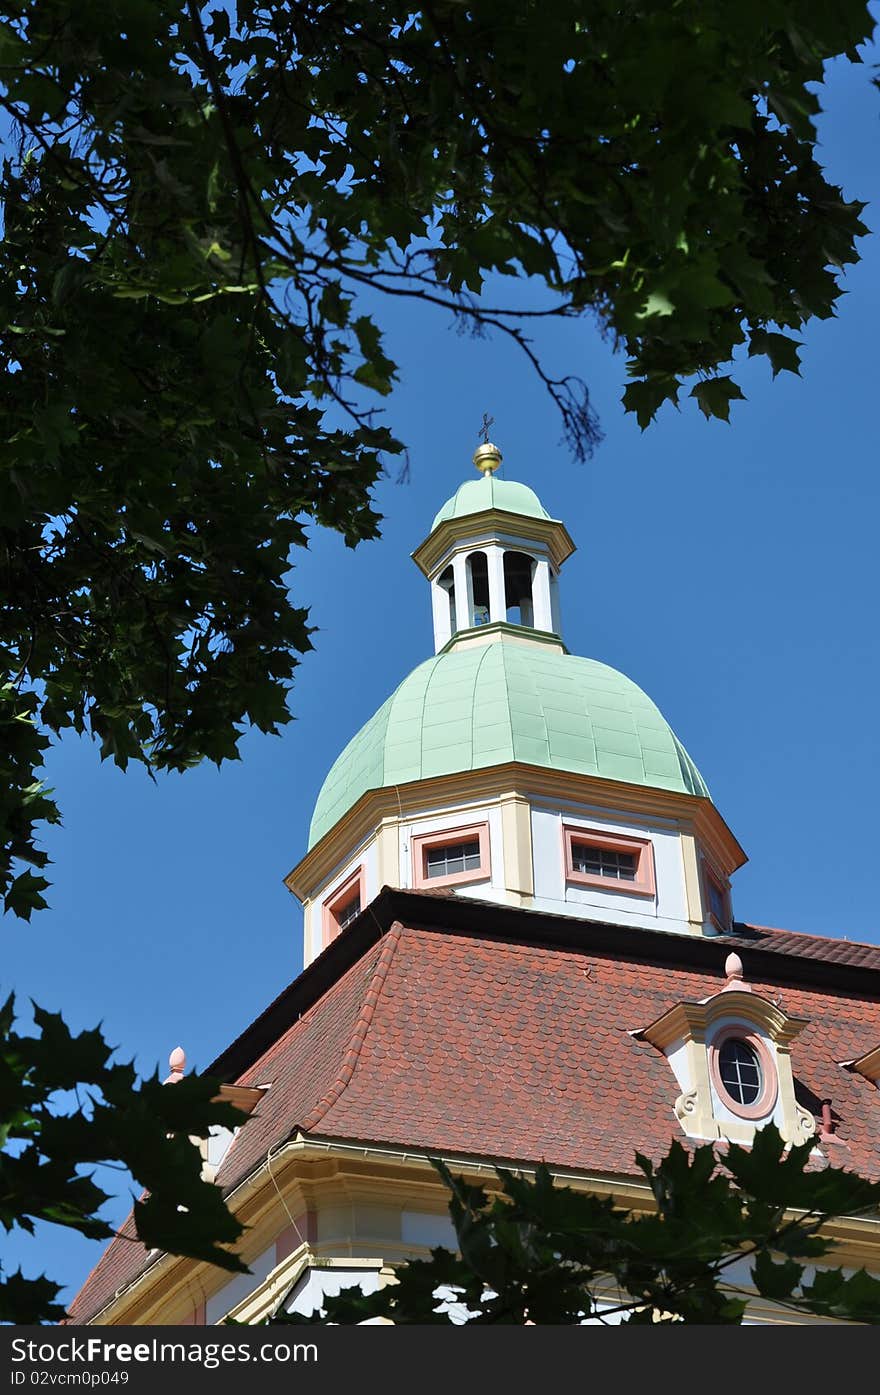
693 892
388 853
516 828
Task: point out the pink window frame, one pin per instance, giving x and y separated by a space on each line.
422 842
766 1101
644 884
344 893
711 878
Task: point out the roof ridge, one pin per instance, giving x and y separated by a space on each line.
383 749
359 1033
508 654
487 649
810 935
435 664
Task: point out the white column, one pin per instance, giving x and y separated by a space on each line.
541 595
442 625
497 607
555 615
464 601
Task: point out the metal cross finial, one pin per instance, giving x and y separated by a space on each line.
483 432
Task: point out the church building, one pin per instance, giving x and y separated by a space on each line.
520 944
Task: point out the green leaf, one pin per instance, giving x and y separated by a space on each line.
646 397
58 1059
776 1280
714 396
781 351
852 1298
166 1225
28 1301
25 895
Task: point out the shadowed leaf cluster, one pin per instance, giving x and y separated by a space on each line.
65 1105
203 210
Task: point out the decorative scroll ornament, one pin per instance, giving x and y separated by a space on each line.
686 1104
803 1128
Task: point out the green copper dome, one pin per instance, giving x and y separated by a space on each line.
468 708
490 493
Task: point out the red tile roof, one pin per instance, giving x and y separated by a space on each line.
821 948
473 1043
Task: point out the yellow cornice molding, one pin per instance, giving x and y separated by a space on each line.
315 1170
503 632
690 1021
405 801
550 531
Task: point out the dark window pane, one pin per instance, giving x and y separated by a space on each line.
452 858
603 862
740 1070
346 914
717 903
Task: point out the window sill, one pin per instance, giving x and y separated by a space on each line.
609 884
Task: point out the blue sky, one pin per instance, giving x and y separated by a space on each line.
730 570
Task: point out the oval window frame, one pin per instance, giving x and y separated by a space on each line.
766 1101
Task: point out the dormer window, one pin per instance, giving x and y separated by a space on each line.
608 861
453 857
730 1056
343 905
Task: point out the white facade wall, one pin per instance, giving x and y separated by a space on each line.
666 910
441 615
238 1288
318 1283
677 1056
541 597
492 889
425 1228
555 611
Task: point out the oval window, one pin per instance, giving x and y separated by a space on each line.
739 1070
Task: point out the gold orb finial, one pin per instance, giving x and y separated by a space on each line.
487 458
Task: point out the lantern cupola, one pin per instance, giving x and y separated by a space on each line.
493 557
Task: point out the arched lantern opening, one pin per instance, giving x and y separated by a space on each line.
519 571
478 579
